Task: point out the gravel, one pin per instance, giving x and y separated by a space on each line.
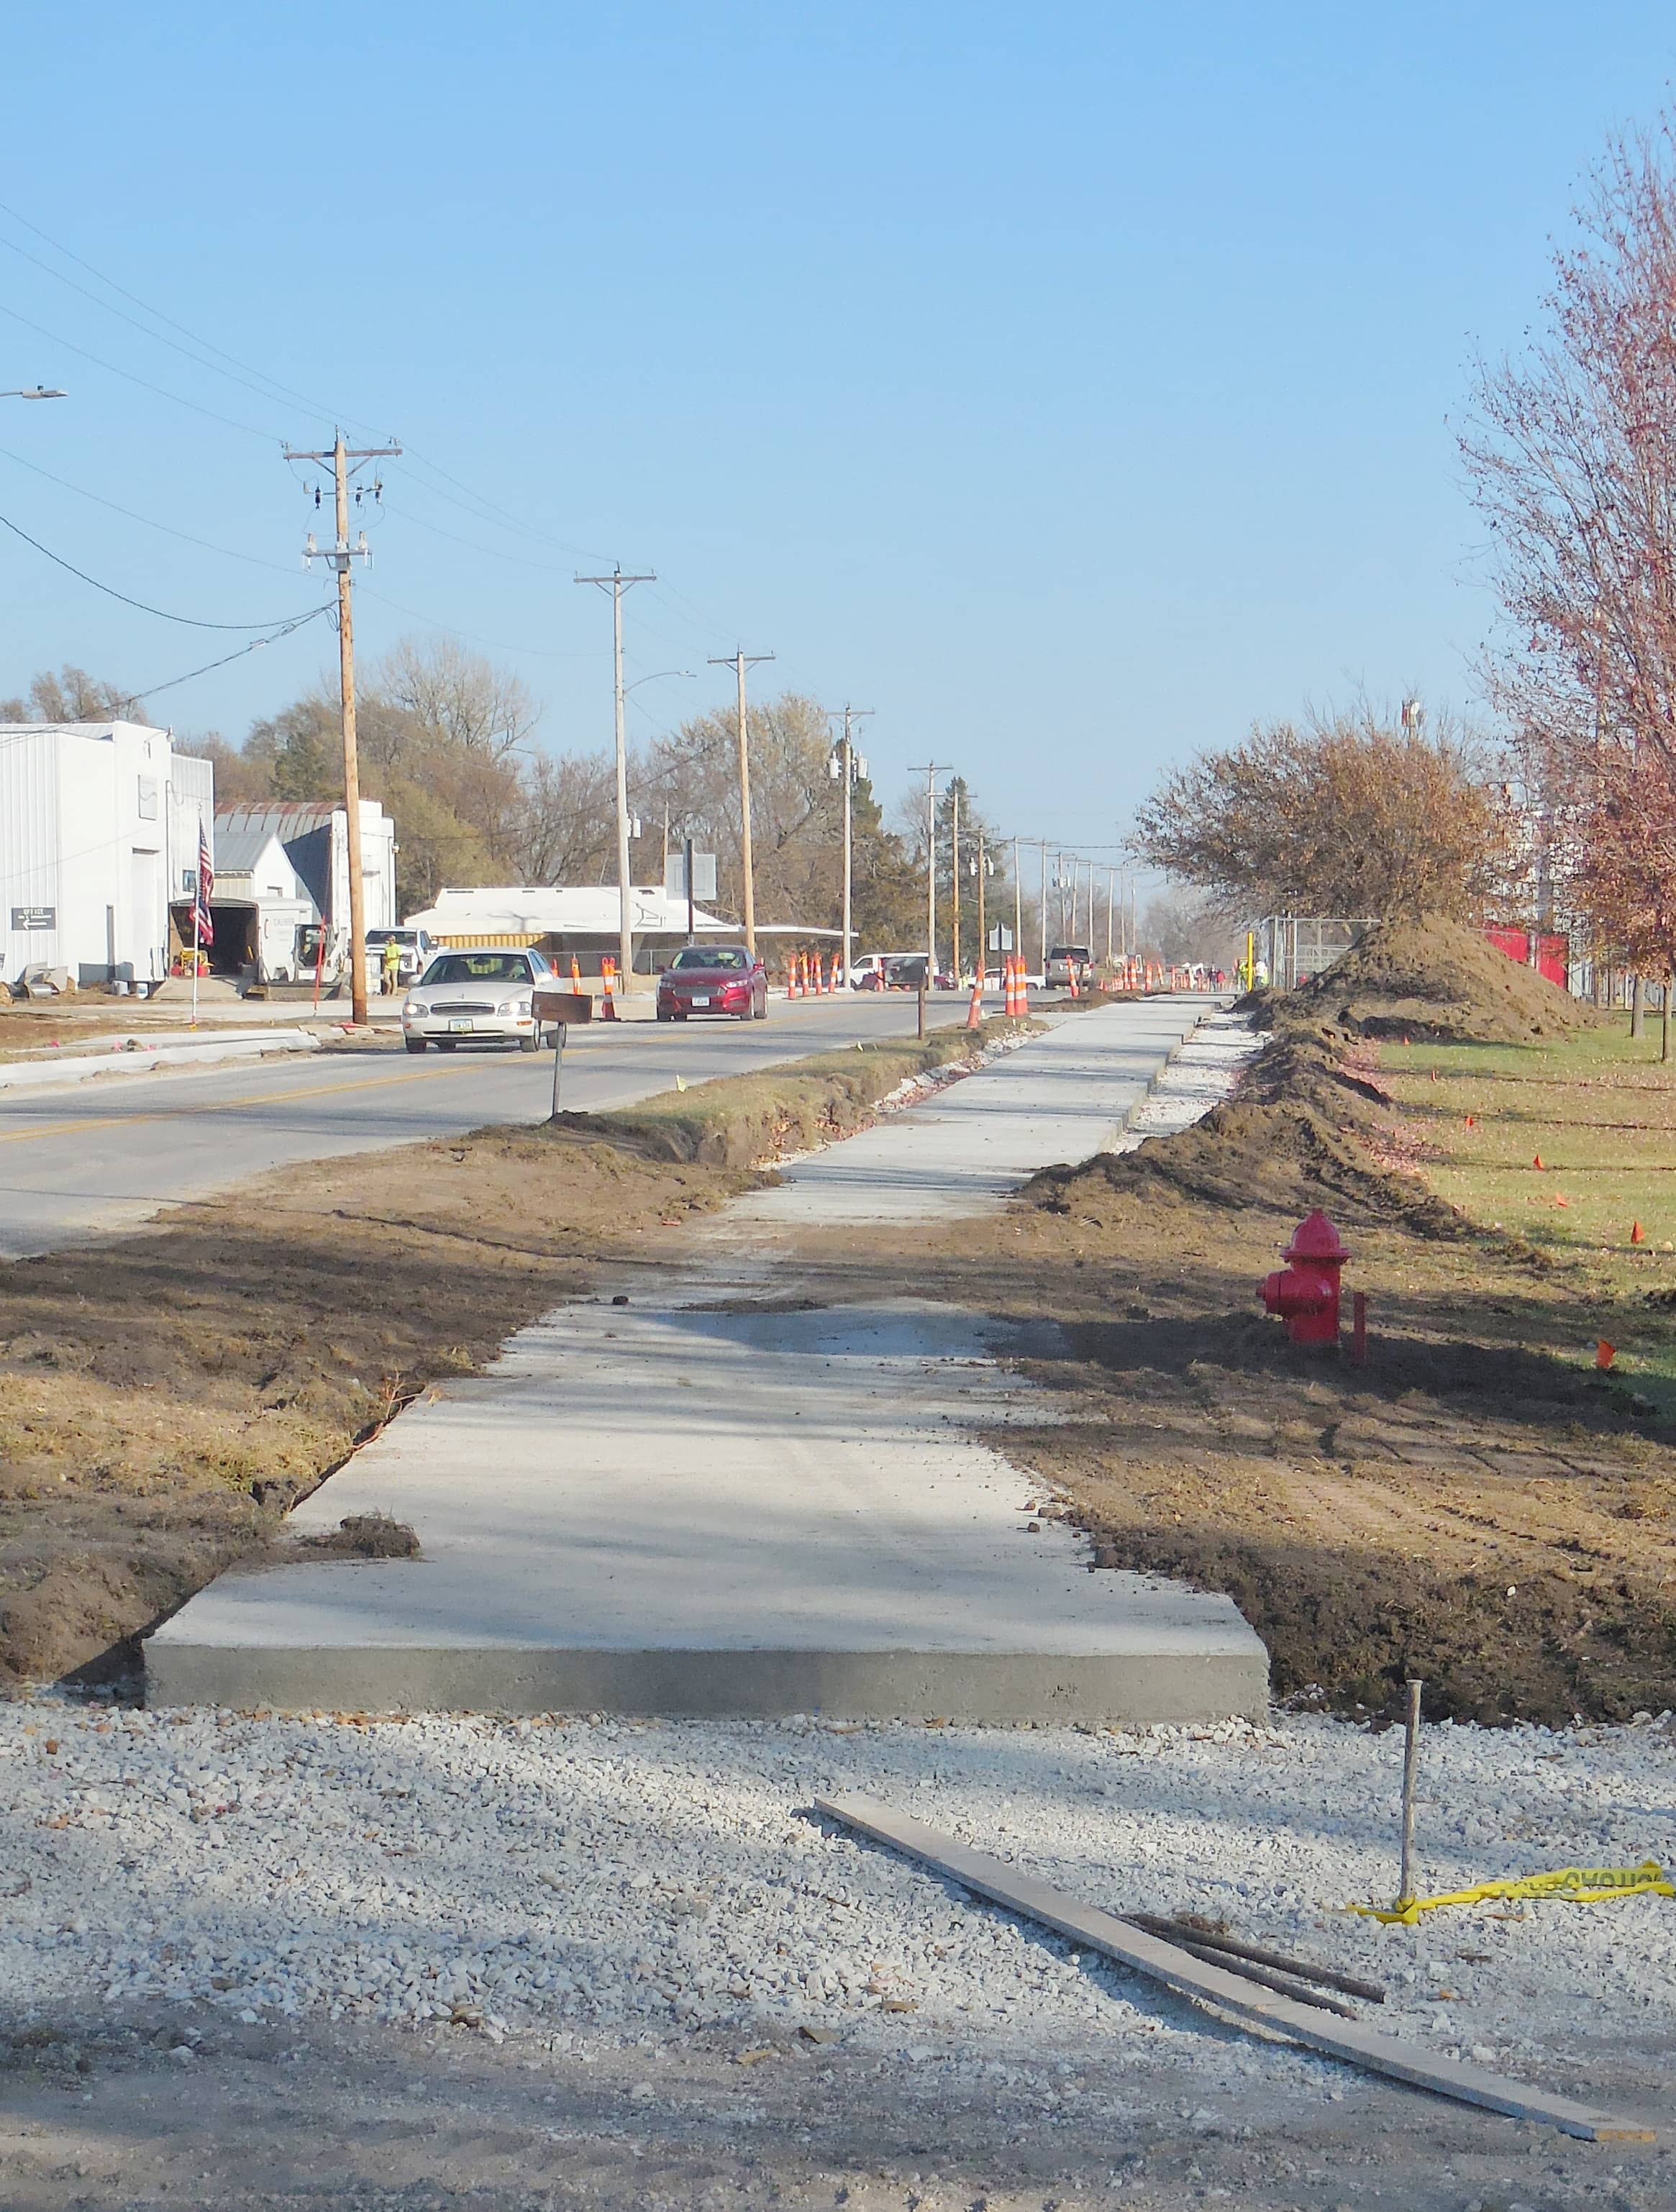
579 1880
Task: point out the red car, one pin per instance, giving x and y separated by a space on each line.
714 979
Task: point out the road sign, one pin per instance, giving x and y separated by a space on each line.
34 917
1000 938
561 1006
704 876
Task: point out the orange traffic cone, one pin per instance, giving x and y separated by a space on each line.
837 973
608 995
1071 969
792 987
975 1012
576 973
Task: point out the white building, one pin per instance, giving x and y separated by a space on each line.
560 921
282 874
98 835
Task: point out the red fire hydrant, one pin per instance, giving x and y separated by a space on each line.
1306 1294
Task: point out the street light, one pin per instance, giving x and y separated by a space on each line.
844 765
35 391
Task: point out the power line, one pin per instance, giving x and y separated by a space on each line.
185 537
188 621
156 313
128 376
139 698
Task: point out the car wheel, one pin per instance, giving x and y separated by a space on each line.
414 1044
664 1014
529 1044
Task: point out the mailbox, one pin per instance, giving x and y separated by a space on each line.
562 1006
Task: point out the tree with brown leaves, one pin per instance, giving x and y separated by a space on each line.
1346 815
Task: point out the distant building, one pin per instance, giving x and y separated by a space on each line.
99 838
561 922
282 902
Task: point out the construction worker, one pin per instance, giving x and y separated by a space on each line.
392 966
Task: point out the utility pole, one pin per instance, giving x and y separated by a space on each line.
1111 877
954 878
847 769
931 771
1017 905
616 584
983 935
342 557
738 662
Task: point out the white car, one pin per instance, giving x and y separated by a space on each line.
480 995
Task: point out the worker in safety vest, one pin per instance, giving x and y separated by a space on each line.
392 966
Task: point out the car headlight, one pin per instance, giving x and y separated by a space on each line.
414 1010
513 1006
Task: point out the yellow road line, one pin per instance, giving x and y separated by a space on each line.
227 1105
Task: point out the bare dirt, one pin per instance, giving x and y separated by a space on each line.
166 1397
1475 1507
1435 979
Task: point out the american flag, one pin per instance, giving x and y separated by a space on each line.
203 929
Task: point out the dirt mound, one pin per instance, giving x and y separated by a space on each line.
1295 1137
1438 980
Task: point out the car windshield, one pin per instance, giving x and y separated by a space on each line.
477 968
723 958
390 936
1069 953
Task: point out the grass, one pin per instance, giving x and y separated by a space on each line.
1600 1112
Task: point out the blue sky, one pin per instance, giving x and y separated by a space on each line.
1072 386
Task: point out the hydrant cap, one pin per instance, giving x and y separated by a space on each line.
1315 1239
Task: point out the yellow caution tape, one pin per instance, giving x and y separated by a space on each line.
1573 1885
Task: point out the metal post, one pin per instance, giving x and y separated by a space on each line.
919 1030
558 1057
691 930
1410 1767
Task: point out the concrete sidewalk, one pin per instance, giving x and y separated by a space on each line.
1063 1096
714 1505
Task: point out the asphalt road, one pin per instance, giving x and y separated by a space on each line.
105 1153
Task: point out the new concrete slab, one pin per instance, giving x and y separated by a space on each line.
713 1506
1063 1096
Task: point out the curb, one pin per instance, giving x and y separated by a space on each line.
24 1075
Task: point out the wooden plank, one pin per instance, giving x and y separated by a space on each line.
1231 1993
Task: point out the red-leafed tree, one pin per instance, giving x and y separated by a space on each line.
1572 456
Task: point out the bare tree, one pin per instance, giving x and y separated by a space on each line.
455 697
71 696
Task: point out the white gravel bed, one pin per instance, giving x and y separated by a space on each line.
1204 1069
578 1880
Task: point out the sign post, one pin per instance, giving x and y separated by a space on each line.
561 1008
